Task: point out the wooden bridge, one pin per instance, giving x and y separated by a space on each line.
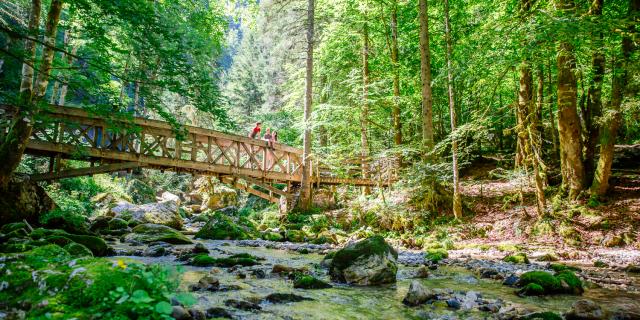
248 164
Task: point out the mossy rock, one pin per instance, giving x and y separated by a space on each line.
9 227
220 227
436 255
531 289
16 247
44 256
272 236
97 246
546 315
230 262
202 260
558 267
569 282
15 234
149 232
310 282
58 239
78 250
118 224
295 235
520 257
548 257
371 261
371 246
542 278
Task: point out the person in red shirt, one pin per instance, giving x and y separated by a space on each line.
256 131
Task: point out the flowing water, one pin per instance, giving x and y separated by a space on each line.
348 302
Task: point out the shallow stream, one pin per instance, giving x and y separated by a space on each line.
348 302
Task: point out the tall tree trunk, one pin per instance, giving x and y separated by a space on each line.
619 83
425 76
305 190
397 123
552 120
594 99
364 115
457 198
569 129
65 86
17 138
56 84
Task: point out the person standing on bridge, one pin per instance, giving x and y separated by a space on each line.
256 131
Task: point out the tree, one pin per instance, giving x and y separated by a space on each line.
568 121
397 122
457 198
425 76
364 114
305 191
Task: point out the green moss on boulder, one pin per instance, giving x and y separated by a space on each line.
531 289
295 235
118 224
78 250
520 257
562 282
7 228
149 232
368 262
221 227
202 260
436 255
310 282
97 246
272 236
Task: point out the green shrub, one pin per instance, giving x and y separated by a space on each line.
435 255
517 258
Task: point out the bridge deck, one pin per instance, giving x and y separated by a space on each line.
70 132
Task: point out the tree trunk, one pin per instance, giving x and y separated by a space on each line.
425 76
457 199
397 123
17 138
619 81
364 115
554 132
569 129
65 86
594 99
305 190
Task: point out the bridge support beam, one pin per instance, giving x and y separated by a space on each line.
84 171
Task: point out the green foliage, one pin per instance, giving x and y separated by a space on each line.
436 255
520 257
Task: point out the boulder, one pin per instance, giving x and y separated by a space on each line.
585 310
285 298
164 213
214 195
310 282
368 262
168 196
140 192
417 294
24 200
206 283
97 246
242 305
221 227
77 250
148 232
295 235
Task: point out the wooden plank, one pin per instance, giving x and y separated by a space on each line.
84 171
266 186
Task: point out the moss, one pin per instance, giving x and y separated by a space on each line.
220 227
310 282
97 246
544 279
58 239
436 255
295 235
230 262
117 224
202 260
546 315
78 250
18 233
320 240
571 280
272 236
600 264
531 289
517 258
548 257
371 246
7 228
43 256
16 247
558 267
149 232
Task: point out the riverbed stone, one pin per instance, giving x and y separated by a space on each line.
180 313
310 282
242 305
163 213
149 232
217 312
221 227
418 294
285 298
585 310
368 262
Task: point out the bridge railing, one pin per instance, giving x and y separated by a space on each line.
73 131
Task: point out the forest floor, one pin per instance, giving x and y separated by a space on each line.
580 231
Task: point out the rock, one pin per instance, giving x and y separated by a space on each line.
168 196
511 280
215 196
217 312
295 235
180 313
531 289
242 305
310 282
100 223
97 246
585 310
221 227
600 264
562 282
418 294
24 199
140 192
272 236
436 255
202 260
197 314
163 213
156 250
517 258
548 257
632 268
78 250
118 224
454 303
259 273
422 272
207 283
200 248
61 220
612 240
368 262
285 298
10 227
488 273
148 232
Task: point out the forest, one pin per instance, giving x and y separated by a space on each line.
320 159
